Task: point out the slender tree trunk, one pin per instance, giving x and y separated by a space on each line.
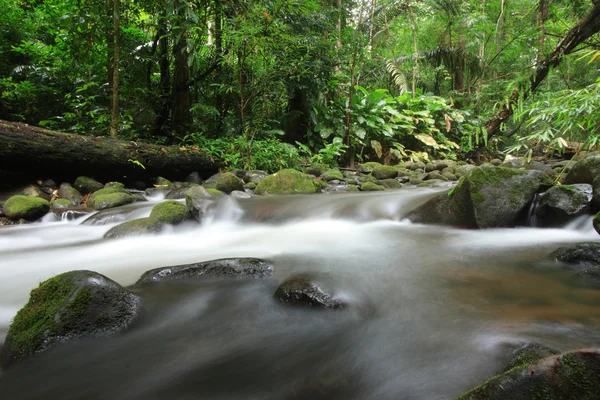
164 102
542 17
181 119
218 9
340 28
415 49
114 120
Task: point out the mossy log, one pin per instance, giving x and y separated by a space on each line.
43 153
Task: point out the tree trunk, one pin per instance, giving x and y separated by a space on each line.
296 125
181 118
163 111
42 153
587 27
114 120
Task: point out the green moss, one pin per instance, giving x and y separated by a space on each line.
114 199
87 185
596 222
333 174
368 167
116 185
488 175
170 212
384 172
80 304
371 187
62 203
214 192
228 182
136 227
29 208
567 188
287 181
575 371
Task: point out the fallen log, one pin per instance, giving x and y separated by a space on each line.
41 153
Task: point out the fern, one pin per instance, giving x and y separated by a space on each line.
398 76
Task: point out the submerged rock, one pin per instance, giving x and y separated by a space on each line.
223 268
65 307
569 376
306 291
562 203
25 207
287 181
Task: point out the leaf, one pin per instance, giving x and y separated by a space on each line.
428 140
377 147
360 132
448 121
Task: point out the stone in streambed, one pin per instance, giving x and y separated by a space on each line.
197 201
228 182
25 207
332 175
68 306
371 187
223 268
562 203
580 256
368 167
109 198
306 291
381 172
86 184
136 227
287 181
170 212
68 192
528 354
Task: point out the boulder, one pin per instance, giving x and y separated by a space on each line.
255 176
486 197
223 268
585 170
381 172
435 175
579 256
306 291
287 181
528 354
237 194
197 201
68 306
562 203
371 187
332 174
228 182
61 204
194 178
162 182
391 184
463 169
177 193
115 185
25 207
66 191
513 162
415 165
317 169
87 185
136 227
368 167
109 198
170 212
36 191
569 376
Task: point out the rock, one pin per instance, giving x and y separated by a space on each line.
415 165
194 178
287 181
371 187
212 178
317 169
25 207
368 167
529 354
305 291
449 176
68 192
87 185
496 162
237 194
162 182
36 191
229 182
562 203
61 204
391 184
215 192
435 175
537 165
255 176
584 171
362 178
140 185
170 212
332 174
596 222
154 191
569 376
177 193
48 184
463 169
137 197
197 201
352 188
68 306
114 185
136 227
223 268
384 172
109 198
250 186
513 162
580 255
487 197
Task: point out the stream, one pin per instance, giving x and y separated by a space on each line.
434 311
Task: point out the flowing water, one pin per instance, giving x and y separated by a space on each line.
434 310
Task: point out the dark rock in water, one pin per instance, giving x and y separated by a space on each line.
569 376
585 170
223 268
170 212
109 198
136 227
305 291
591 276
25 207
486 197
581 255
228 182
176 194
194 177
36 191
68 306
529 354
87 185
68 192
562 203
197 201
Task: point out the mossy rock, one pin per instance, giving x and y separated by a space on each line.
138 197
287 181
435 174
85 184
136 227
390 184
362 178
368 167
332 174
162 182
371 187
317 169
62 203
170 212
585 170
250 186
596 222
109 198
569 376
214 192
381 172
529 354
197 201
449 176
68 306
415 165
255 176
353 188
116 185
562 203
25 207
66 191
580 255
228 182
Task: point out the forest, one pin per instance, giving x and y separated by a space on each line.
272 84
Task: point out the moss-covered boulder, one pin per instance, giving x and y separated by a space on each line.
197 201
569 376
368 167
332 175
390 184
287 181
317 169
381 172
415 165
529 354
68 306
25 207
136 227
228 182
562 203
170 212
585 170
579 256
435 174
307 291
214 192
486 197
162 182
85 184
61 204
371 187
66 191
109 198
223 268
116 185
